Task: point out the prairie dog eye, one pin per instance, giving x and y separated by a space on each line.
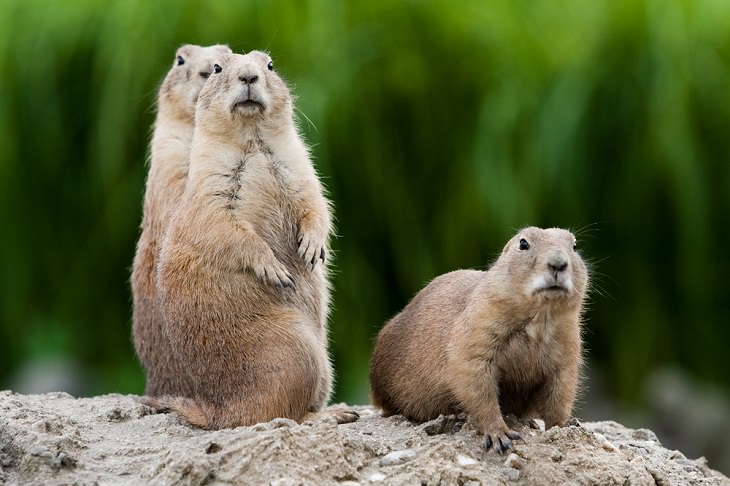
180 61
217 68
270 66
575 245
524 245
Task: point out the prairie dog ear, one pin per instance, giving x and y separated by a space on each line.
185 49
223 49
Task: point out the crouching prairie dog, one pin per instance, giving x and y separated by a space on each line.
168 169
242 273
505 340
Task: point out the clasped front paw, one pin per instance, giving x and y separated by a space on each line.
311 248
275 274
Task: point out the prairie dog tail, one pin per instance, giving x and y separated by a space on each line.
187 408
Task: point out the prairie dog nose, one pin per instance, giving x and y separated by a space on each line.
248 78
557 263
206 70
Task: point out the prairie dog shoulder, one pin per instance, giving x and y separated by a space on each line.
505 340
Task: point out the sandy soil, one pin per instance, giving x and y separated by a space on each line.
112 439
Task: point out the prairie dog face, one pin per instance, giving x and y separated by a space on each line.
191 68
243 88
545 265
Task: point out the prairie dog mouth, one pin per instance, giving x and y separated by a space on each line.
248 106
554 291
553 288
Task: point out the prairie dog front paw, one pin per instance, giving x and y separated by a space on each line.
500 439
311 246
273 272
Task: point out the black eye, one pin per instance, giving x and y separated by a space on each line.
524 245
270 65
575 245
217 68
180 61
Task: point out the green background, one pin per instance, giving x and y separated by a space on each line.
439 128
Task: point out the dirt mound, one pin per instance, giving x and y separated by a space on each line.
113 439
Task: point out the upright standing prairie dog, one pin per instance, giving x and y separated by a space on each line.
242 276
168 172
505 340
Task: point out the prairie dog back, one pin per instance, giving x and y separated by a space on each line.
505 340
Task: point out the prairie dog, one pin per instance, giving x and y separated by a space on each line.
505 340
168 170
242 271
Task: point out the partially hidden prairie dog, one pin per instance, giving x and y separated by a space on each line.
505 340
170 147
242 273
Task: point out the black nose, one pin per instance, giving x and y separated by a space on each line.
248 79
205 74
557 265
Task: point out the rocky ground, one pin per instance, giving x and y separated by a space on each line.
113 439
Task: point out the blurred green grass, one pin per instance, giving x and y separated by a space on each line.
438 127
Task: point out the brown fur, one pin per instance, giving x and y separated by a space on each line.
242 274
165 183
489 342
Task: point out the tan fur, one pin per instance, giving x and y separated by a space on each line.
242 273
168 171
489 342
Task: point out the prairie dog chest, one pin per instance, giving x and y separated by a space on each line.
259 189
533 350
259 174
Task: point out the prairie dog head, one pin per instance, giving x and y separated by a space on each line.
243 90
543 266
191 68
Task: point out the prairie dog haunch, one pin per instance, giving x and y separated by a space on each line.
504 340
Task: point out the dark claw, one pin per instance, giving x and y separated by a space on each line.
487 444
504 444
321 255
458 425
314 260
533 424
299 240
514 436
498 446
574 422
